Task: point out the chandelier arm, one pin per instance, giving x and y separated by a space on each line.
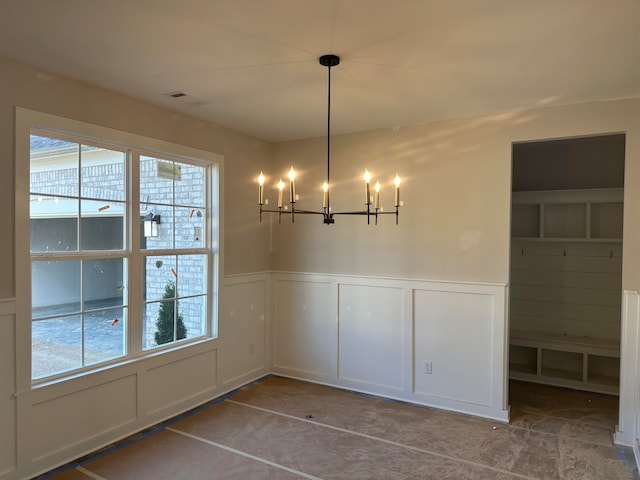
360 212
310 212
291 212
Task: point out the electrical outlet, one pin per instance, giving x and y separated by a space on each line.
426 367
251 348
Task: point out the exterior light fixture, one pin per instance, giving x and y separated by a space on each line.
151 223
372 203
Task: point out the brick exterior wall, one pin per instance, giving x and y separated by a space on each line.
182 211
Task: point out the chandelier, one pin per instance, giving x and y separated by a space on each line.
372 202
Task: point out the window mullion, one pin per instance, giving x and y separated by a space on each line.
134 273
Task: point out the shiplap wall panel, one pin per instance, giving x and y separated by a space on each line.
570 263
569 288
593 313
579 296
565 326
589 280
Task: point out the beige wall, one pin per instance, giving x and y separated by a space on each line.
24 86
456 183
31 445
454 227
456 190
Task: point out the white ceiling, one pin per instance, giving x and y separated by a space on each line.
404 62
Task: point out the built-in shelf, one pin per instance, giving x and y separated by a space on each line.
566 255
593 215
577 362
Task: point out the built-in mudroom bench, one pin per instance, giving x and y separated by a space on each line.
564 360
566 288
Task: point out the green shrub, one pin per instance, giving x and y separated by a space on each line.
165 322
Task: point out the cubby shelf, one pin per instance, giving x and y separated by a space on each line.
567 361
566 268
593 215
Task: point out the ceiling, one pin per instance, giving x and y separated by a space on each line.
252 65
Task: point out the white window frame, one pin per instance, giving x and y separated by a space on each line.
135 145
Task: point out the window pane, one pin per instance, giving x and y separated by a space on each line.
160 275
103 282
162 323
162 237
55 287
54 167
189 186
149 320
53 225
189 227
156 181
104 335
193 312
56 345
169 323
103 173
102 225
192 275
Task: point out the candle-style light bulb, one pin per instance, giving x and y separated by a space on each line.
261 189
367 186
280 192
292 186
396 182
325 195
376 202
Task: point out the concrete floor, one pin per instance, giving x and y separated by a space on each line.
286 429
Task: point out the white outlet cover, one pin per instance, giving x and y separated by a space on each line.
427 367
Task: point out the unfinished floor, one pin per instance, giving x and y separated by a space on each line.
279 428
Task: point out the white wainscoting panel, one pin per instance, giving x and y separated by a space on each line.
371 335
8 451
175 382
305 328
52 424
62 422
242 325
386 329
454 331
628 429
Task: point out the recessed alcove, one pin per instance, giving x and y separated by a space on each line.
566 262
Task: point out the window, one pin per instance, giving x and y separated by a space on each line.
121 250
176 264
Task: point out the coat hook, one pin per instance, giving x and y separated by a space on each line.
564 252
522 252
611 254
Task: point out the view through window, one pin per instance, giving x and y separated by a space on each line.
83 223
